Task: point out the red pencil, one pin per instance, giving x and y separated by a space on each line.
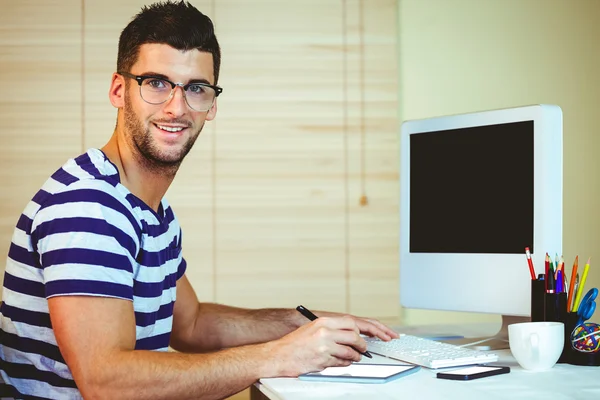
530 262
547 266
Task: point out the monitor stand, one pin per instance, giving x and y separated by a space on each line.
497 342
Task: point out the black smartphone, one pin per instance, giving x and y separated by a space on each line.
473 372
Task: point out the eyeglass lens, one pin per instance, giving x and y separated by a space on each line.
198 96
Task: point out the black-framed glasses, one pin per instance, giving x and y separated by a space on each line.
199 96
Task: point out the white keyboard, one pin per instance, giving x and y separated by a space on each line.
428 353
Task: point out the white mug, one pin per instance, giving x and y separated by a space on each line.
536 346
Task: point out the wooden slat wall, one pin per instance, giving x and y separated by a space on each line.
372 113
280 160
269 197
40 104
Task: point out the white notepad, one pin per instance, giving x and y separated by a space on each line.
362 373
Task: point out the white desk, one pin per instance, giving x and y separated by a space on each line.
561 382
564 381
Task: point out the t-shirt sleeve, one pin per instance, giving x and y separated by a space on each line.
182 266
181 269
87 242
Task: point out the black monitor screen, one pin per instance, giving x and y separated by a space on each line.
471 190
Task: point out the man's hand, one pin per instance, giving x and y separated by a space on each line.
367 326
325 342
374 328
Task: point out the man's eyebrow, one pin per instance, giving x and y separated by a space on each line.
199 81
155 75
163 76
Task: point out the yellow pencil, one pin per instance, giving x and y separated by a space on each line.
581 285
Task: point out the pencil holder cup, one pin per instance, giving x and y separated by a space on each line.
538 300
575 351
555 307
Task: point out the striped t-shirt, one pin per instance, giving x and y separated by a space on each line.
83 233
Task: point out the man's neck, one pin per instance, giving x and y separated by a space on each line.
147 183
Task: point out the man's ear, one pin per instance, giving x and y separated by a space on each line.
116 93
212 113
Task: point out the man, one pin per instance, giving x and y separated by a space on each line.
95 288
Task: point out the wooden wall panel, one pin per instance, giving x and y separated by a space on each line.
40 77
280 191
373 147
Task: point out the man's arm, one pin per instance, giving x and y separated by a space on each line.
200 327
96 336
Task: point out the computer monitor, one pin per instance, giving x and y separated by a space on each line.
475 190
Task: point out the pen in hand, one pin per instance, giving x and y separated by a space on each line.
310 316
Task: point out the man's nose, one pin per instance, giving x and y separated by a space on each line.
176 105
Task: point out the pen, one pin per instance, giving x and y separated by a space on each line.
550 282
575 291
530 262
310 316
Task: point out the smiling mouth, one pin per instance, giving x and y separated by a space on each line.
170 129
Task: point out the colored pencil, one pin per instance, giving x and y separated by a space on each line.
572 283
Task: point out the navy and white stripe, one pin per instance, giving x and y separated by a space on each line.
83 233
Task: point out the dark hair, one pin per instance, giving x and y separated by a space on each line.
180 25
